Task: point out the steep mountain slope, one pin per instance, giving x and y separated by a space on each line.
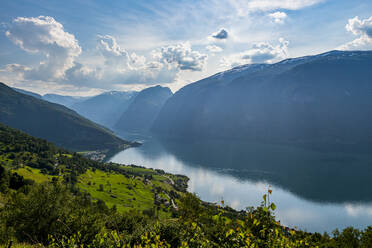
142 112
54 122
317 99
105 108
67 101
28 93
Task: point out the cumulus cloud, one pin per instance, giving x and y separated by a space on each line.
112 65
46 36
278 17
121 67
114 55
182 56
262 52
362 29
222 34
214 49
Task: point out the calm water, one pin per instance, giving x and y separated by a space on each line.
313 190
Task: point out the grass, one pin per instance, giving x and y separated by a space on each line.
63 154
125 193
34 174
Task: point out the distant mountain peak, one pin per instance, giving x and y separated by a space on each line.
145 107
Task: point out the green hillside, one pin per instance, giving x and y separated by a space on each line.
55 123
126 187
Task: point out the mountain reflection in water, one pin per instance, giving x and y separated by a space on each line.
313 189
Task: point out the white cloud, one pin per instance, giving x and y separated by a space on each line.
182 56
361 28
263 52
120 67
214 49
267 5
113 54
278 17
46 36
243 7
111 67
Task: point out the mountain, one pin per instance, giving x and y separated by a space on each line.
54 122
142 112
105 108
28 93
322 99
67 101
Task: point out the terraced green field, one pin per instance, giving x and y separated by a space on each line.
33 174
116 189
125 192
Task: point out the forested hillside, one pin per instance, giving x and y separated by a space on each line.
55 123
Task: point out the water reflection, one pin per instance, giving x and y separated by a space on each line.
314 190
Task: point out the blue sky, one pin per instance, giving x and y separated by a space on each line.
86 47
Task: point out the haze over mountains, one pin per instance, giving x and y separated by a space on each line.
28 93
128 112
67 101
144 109
54 122
316 99
105 108
323 99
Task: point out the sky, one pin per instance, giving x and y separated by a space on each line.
86 47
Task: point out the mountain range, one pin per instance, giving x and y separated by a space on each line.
323 99
123 111
54 122
67 101
26 92
106 108
144 109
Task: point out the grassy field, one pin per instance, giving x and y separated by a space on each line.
136 190
116 189
129 191
34 174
